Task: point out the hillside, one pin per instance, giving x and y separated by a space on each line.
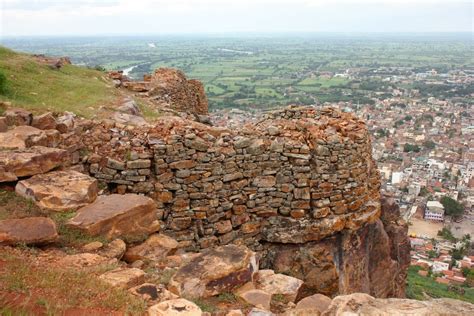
37 86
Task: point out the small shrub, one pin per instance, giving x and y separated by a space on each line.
227 297
3 83
205 306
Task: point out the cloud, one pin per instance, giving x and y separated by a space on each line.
26 17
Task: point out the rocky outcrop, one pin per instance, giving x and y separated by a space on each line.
363 304
59 190
115 215
15 164
29 231
169 88
215 271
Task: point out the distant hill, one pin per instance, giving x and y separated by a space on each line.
35 84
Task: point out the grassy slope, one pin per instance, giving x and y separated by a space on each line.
418 284
36 86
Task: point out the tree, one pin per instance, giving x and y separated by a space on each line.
429 144
452 207
409 148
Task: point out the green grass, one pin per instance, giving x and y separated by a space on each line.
417 285
15 206
57 289
204 306
37 87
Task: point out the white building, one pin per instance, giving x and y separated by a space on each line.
439 266
397 177
434 211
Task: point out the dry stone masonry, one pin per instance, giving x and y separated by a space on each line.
298 187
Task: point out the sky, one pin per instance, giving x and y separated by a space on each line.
155 17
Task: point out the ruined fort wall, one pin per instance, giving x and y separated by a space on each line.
300 175
300 186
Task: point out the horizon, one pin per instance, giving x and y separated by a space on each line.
54 18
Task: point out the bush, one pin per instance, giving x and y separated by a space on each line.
3 83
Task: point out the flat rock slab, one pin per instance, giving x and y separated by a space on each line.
280 284
124 278
215 271
32 230
22 137
83 260
59 190
117 215
155 248
28 162
257 298
176 307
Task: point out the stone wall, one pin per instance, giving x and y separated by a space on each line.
300 170
299 186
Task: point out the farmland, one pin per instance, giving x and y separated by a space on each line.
272 70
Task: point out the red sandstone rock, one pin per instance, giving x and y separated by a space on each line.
214 271
59 190
117 215
32 230
29 161
155 248
44 121
170 87
18 117
23 136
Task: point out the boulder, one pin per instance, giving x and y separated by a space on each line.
155 248
23 136
364 304
18 117
114 249
115 215
30 161
176 307
280 284
65 123
317 301
257 298
124 277
31 230
215 271
129 106
59 190
44 121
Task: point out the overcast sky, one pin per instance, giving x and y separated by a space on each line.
120 17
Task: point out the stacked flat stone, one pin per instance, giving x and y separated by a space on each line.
299 170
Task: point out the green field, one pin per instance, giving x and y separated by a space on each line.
264 71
